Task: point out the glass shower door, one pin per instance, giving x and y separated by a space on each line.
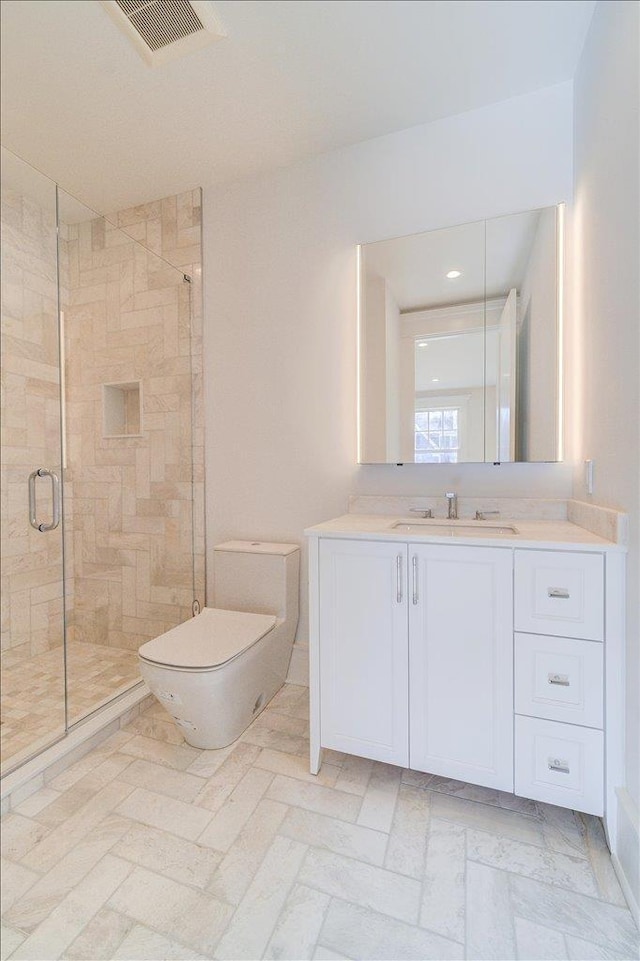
31 556
102 541
128 465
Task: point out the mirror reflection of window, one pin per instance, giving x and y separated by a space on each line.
449 376
437 435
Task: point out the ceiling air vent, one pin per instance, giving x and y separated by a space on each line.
162 30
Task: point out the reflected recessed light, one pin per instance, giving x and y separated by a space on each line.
422 343
453 274
435 380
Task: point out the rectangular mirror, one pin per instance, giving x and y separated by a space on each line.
459 333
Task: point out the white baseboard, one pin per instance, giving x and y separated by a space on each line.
626 853
299 665
626 890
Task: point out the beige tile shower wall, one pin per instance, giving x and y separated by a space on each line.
31 561
172 228
128 320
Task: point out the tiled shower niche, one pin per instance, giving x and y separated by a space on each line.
121 410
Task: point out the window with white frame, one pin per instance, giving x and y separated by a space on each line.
437 435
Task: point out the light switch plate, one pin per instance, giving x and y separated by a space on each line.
588 476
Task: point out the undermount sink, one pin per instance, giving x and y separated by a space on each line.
455 528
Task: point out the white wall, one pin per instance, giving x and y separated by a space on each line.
280 294
604 345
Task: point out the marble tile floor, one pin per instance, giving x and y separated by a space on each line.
32 701
149 848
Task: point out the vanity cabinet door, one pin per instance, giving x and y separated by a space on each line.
461 663
364 649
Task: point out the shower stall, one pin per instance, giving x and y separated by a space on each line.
102 538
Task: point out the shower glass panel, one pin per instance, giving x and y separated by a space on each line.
31 555
102 533
129 558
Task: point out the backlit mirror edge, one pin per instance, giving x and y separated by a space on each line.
560 267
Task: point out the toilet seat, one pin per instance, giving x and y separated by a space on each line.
208 641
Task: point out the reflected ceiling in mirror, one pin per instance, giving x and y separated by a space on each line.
458 343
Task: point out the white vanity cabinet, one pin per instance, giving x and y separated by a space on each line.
415 656
495 663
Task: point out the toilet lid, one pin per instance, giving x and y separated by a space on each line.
207 640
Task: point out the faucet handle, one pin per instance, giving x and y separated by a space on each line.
482 515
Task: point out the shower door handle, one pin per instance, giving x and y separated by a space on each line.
55 500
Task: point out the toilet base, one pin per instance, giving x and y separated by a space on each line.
213 707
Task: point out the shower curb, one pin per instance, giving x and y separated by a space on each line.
19 784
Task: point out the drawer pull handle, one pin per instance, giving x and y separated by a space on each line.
558 592
559 765
562 680
399 579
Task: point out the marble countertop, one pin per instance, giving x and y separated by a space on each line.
540 534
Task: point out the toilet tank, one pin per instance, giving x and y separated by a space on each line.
258 577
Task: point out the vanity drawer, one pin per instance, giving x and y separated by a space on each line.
559 678
560 764
559 593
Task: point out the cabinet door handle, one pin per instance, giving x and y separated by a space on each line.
414 567
399 578
558 764
562 680
558 592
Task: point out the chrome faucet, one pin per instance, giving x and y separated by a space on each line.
452 502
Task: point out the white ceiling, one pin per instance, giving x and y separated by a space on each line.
292 79
464 360
415 267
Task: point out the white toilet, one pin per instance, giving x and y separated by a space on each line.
216 672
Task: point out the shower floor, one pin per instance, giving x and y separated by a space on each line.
32 702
